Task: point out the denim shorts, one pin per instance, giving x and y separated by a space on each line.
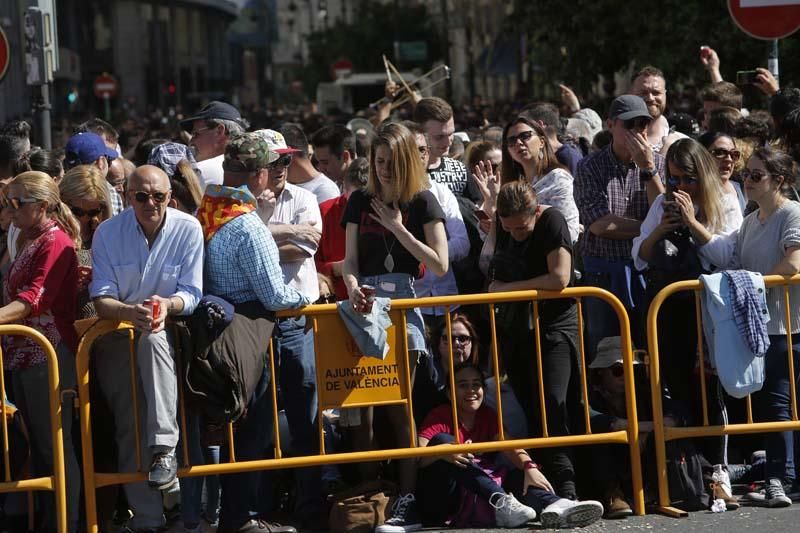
394 286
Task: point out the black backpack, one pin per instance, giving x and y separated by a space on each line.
686 468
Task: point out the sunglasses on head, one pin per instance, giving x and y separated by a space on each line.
16 203
524 136
158 197
638 123
674 181
282 162
722 153
91 213
460 339
753 175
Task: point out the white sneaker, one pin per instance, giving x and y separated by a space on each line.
508 512
566 513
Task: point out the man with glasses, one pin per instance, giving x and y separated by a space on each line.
211 129
650 85
614 188
150 254
242 266
293 217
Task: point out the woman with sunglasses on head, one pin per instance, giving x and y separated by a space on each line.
769 242
723 149
395 228
693 208
528 155
530 247
40 289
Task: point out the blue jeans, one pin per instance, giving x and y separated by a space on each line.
439 483
240 492
294 350
192 487
774 403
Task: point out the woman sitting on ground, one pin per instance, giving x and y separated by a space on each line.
460 489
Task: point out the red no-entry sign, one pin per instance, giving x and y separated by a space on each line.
5 54
766 19
105 86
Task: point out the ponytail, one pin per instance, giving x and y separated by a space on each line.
68 222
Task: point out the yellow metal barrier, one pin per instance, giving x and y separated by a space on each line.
662 433
57 481
347 379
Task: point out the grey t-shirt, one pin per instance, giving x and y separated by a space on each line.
322 186
759 247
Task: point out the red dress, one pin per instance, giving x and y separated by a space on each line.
44 275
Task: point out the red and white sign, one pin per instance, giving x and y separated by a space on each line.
5 54
105 86
766 19
341 68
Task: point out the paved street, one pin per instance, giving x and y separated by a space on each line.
752 519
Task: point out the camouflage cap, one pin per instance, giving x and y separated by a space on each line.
247 152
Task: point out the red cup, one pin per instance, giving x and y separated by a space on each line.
155 309
369 294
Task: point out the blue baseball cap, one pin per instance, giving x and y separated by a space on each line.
85 148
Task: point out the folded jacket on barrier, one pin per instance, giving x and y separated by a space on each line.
368 329
734 320
223 351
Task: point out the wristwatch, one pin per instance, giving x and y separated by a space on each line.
530 465
646 174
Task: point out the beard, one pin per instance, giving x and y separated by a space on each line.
655 110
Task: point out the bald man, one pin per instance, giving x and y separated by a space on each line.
148 252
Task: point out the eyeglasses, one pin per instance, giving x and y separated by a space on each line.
617 371
158 197
722 153
91 213
327 299
282 162
460 339
753 175
638 123
525 136
674 181
423 150
16 203
195 133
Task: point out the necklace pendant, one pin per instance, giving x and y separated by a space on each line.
388 263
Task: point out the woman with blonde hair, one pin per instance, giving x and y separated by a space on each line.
84 191
393 228
40 293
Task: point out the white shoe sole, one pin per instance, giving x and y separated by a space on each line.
408 528
581 515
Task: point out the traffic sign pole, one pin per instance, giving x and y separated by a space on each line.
107 107
772 60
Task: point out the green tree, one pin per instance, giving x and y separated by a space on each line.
373 32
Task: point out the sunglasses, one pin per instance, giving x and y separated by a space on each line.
722 153
16 203
158 197
674 181
195 133
423 150
617 371
753 175
638 123
282 162
460 339
525 136
91 213
328 299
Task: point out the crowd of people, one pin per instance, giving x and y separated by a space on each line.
197 240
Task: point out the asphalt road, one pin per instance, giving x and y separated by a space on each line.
745 519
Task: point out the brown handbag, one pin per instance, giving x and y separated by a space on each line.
362 508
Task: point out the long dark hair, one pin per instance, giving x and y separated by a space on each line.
779 163
474 355
510 170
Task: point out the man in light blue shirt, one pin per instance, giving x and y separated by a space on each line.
150 252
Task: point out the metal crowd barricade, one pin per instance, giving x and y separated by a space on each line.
661 433
57 481
346 379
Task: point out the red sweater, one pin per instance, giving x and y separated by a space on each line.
332 244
